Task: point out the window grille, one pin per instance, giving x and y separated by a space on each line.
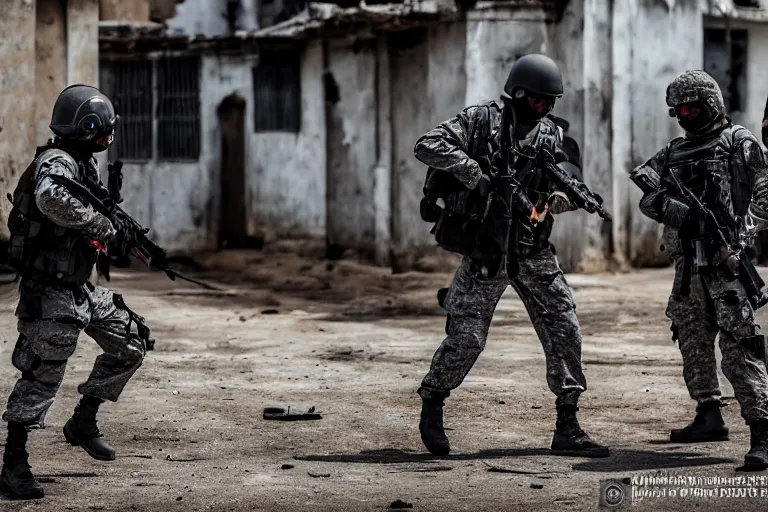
130 90
178 108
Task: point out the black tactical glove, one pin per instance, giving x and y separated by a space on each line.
674 212
484 187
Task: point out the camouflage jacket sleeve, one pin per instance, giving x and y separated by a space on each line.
648 178
752 157
447 147
61 207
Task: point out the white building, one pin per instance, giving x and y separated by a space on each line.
330 101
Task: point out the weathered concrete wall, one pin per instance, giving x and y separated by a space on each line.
122 10
207 17
428 83
51 63
351 144
17 105
286 172
83 41
179 202
667 39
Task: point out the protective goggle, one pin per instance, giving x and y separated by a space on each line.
684 111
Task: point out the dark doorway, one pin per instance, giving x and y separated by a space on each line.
232 221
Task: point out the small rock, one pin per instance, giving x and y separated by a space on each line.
243 319
179 498
400 504
270 312
537 486
535 407
287 466
175 392
319 475
502 402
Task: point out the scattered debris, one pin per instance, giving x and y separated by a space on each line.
284 414
502 402
537 486
318 475
270 312
535 407
139 456
186 459
400 504
242 318
287 466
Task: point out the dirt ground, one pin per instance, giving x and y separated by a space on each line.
354 341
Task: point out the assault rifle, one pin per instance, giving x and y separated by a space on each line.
578 193
727 235
132 237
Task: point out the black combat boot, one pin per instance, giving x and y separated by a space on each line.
757 457
570 439
431 427
16 479
81 430
707 426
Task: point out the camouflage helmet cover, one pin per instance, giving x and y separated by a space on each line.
694 86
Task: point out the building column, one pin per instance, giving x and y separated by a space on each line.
598 172
83 42
382 177
17 102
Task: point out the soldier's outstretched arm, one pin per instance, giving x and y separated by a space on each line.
446 147
648 178
65 210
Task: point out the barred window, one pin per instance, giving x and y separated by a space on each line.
277 92
178 108
130 89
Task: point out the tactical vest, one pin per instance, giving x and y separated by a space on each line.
40 249
463 214
704 166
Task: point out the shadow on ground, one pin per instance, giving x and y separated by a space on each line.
620 460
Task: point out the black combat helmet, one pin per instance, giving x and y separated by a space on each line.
535 74
83 115
533 85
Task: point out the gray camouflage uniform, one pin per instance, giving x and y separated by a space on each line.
51 317
454 146
716 301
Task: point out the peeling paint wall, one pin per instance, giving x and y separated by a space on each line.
286 172
17 105
351 144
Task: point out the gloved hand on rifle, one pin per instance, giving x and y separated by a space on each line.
484 187
119 251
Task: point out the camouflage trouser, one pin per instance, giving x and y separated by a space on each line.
716 304
470 304
50 321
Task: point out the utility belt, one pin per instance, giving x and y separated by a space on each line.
702 257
